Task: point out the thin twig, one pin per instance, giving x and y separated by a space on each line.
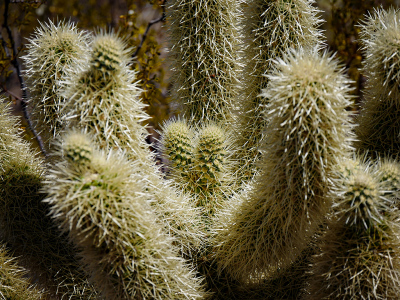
151 23
16 65
4 90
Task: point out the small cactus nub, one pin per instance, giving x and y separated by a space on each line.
102 97
177 145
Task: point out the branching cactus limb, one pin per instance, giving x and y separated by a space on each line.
24 222
13 281
103 97
52 49
359 253
270 28
379 126
308 133
103 100
101 204
204 47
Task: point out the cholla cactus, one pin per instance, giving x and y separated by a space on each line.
360 253
379 122
388 171
52 49
177 147
13 283
271 27
200 164
106 213
102 97
103 101
308 134
211 182
24 222
204 46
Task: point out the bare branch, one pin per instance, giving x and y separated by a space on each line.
17 67
151 23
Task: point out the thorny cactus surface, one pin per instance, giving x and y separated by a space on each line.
379 122
307 135
270 28
52 49
24 222
204 40
359 256
99 201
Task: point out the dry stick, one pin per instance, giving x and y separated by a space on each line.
151 23
15 63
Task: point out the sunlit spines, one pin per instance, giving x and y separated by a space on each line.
379 125
204 44
359 252
211 181
307 135
106 211
103 98
13 281
177 146
270 29
52 49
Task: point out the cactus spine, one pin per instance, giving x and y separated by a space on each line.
24 221
272 222
270 28
359 256
13 284
102 206
379 125
204 46
52 49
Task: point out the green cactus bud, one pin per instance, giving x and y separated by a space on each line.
103 99
24 222
379 125
177 145
108 215
210 178
359 252
388 171
52 49
13 282
306 137
203 54
270 28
